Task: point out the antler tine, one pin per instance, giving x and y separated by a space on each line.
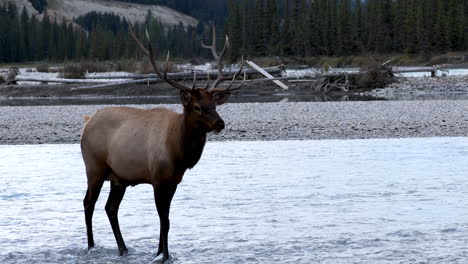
142 47
207 81
166 63
238 87
218 58
213 45
194 79
226 46
150 53
221 77
215 90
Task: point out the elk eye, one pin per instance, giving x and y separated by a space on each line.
197 108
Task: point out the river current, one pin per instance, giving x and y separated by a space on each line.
329 201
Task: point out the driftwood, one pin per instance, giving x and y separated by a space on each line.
9 76
267 74
320 82
201 75
372 76
140 81
55 80
432 70
153 78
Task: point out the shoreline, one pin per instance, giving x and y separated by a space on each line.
403 89
263 121
209 141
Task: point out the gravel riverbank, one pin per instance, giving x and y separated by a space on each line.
264 121
423 88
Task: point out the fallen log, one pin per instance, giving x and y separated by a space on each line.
46 80
432 70
150 80
201 75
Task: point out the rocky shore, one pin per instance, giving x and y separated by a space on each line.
424 88
264 121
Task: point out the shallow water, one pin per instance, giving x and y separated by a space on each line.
331 201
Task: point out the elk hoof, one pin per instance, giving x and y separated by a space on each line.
123 251
162 260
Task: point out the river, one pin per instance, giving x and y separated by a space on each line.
329 201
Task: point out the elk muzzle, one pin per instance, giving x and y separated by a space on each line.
219 125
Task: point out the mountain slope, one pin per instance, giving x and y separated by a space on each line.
20 4
132 12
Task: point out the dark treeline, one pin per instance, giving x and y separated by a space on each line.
102 37
24 38
346 27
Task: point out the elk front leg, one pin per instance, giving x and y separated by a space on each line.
116 195
163 196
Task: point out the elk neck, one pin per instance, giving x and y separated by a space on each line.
192 142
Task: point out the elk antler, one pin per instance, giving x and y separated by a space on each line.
219 61
149 52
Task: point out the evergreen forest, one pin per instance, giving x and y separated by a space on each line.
346 27
255 27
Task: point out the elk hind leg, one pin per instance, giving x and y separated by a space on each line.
95 180
116 195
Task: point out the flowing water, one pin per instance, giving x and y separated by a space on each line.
331 201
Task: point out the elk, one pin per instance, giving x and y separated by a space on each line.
130 146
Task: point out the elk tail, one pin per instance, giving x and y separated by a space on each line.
86 119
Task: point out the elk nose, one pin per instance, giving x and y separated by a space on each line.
219 125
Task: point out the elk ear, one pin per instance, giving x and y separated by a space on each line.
221 98
185 97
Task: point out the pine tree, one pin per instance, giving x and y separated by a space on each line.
12 38
345 39
359 27
324 25
441 40
45 38
25 35
259 42
285 43
3 31
233 28
272 23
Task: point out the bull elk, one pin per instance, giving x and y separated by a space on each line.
130 146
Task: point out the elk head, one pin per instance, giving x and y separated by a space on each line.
199 103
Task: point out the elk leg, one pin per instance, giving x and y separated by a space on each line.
163 196
116 195
160 247
92 194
